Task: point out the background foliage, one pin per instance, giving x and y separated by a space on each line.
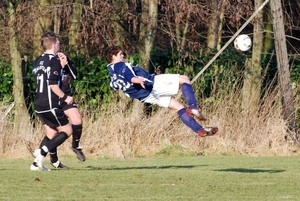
92 85
115 125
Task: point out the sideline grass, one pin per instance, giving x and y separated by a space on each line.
182 178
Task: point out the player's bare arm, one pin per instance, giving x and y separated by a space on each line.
55 88
138 80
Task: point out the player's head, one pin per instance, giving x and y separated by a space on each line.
50 40
112 53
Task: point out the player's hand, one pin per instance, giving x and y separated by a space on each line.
142 82
63 59
69 100
139 80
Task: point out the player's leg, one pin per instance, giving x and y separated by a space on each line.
185 118
59 122
169 102
76 120
54 160
189 121
168 84
50 132
63 133
189 95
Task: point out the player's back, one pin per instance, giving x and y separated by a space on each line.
46 72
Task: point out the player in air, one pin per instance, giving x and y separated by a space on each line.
137 83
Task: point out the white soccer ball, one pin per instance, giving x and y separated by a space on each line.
243 43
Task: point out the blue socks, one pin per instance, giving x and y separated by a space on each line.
189 95
189 120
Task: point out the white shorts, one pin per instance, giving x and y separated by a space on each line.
165 85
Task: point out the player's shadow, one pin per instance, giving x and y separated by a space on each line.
142 167
247 170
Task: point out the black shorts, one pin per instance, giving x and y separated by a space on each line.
53 119
65 106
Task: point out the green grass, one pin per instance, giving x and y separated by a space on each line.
182 178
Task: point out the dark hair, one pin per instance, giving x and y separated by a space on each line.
47 40
110 51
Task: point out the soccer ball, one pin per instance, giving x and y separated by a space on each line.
243 43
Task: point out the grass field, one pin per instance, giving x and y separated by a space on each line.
182 178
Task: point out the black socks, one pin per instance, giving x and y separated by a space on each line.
77 130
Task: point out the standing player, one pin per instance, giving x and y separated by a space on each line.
69 73
48 98
137 83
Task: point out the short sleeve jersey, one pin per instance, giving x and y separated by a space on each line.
46 72
121 74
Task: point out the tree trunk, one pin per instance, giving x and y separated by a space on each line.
181 31
283 70
42 24
119 31
74 31
56 16
268 42
22 124
214 32
147 32
252 79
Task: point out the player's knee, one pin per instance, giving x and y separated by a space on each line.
74 116
67 129
184 79
76 121
175 105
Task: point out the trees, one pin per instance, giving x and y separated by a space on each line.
253 68
287 98
43 23
215 25
74 30
22 124
147 30
185 29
